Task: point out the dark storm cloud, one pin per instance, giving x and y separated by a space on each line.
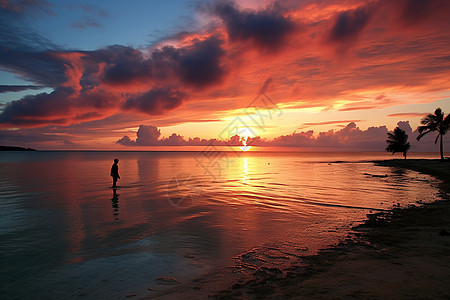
37 109
60 107
125 64
155 101
350 23
196 66
267 29
18 88
199 65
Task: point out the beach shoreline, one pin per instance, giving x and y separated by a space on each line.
400 254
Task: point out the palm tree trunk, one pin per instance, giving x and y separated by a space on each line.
442 148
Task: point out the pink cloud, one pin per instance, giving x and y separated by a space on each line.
329 122
350 137
406 115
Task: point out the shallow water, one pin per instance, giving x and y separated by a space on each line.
65 234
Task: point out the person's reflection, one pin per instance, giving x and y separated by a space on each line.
115 204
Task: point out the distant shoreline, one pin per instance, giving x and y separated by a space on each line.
434 167
13 148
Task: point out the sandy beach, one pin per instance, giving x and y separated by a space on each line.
400 254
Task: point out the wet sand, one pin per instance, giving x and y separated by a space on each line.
401 254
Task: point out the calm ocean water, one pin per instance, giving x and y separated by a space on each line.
65 234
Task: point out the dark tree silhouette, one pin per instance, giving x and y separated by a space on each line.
435 122
398 142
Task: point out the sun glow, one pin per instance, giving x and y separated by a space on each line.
246 134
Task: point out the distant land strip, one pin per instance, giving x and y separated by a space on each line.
12 148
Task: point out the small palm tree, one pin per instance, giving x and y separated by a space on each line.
398 142
437 122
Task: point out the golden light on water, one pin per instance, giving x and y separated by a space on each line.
245 171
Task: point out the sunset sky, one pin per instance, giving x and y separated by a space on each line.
122 75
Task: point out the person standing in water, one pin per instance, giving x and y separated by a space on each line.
115 172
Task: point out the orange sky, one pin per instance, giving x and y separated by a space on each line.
322 64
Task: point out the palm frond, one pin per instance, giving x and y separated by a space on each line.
428 120
422 132
439 114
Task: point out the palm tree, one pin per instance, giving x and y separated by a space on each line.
398 141
437 122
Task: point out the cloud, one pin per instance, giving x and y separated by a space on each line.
266 29
86 23
200 64
60 107
350 137
79 80
405 126
69 143
91 18
156 101
197 66
149 135
302 139
28 54
417 11
23 6
349 24
330 122
126 141
27 137
406 115
18 88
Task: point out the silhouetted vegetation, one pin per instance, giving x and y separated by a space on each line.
435 122
398 142
11 148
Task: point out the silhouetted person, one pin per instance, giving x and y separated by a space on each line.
115 172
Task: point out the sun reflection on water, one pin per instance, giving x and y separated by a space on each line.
245 171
